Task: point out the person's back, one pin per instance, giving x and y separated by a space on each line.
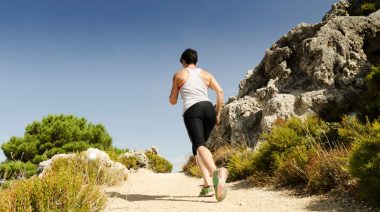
200 117
194 89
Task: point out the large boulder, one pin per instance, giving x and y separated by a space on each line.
91 154
313 69
44 166
140 155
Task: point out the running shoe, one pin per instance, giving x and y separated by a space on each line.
207 191
219 179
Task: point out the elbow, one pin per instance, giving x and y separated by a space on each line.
220 92
172 101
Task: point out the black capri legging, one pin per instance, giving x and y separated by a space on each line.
199 119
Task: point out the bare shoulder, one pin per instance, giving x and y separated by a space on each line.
206 74
180 74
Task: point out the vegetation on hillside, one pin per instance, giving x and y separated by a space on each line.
159 164
56 134
69 185
363 7
314 155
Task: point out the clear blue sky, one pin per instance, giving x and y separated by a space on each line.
112 61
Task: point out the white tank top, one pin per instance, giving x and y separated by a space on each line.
194 90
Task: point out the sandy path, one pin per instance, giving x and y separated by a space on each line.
146 191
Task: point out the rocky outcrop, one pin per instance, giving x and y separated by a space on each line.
91 154
44 166
142 159
313 69
338 9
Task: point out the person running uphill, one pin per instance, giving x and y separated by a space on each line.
200 117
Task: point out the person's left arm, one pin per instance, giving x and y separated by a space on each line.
174 92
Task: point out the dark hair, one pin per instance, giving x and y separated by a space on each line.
190 56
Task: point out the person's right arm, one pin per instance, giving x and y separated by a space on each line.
174 92
219 97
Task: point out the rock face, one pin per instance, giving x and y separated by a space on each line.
313 69
338 9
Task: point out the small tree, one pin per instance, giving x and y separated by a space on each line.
56 134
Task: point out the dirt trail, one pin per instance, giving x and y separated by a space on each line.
146 191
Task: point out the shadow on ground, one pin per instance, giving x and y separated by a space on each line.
142 197
327 202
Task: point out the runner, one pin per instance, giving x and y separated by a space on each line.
200 117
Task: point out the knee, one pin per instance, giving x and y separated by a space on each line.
201 149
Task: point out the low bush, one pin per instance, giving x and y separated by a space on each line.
295 137
17 170
114 153
351 129
159 164
328 170
371 100
290 165
70 185
240 165
223 154
94 172
310 153
191 168
129 162
365 164
367 8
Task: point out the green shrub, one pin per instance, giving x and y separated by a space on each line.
129 162
159 164
93 171
191 168
284 141
240 165
70 185
365 165
367 8
309 152
223 154
17 169
290 165
371 101
114 153
328 170
56 134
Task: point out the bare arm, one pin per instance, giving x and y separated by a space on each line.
219 97
174 92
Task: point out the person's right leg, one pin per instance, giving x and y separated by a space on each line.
205 157
205 173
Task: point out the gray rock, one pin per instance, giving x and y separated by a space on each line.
96 154
338 9
375 14
90 154
45 165
310 70
142 159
